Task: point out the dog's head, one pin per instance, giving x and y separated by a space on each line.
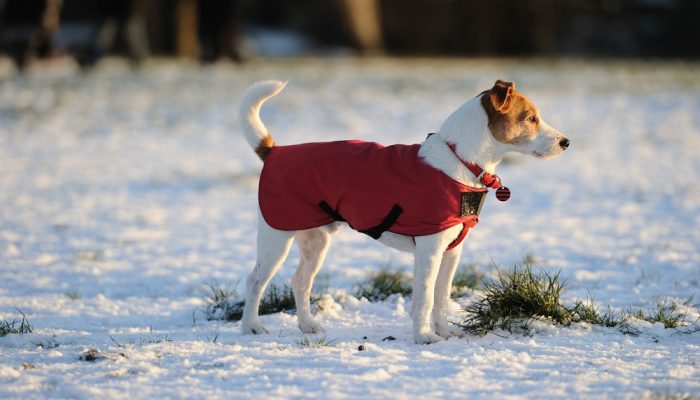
515 121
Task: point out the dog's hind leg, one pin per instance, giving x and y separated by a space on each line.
443 289
313 246
273 247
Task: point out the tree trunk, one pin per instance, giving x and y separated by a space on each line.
364 22
187 44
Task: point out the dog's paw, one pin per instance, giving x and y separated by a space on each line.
253 328
426 338
448 331
309 325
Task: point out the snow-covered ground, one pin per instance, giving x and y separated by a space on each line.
122 193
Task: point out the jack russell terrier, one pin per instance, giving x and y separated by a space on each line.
421 198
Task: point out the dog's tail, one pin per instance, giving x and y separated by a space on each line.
249 115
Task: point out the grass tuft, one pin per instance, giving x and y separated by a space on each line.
15 326
73 294
277 298
468 277
219 294
514 299
224 303
314 342
671 396
379 286
588 312
667 313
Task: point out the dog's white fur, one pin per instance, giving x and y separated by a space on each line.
468 129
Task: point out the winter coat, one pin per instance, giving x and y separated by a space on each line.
372 187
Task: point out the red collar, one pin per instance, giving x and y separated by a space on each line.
487 179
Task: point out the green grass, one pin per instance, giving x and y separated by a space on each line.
218 293
314 342
588 312
141 341
224 303
667 313
16 327
380 285
73 294
468 277
510 301
277 298
672 396
514 298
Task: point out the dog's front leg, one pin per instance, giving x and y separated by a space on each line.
428 257
443 289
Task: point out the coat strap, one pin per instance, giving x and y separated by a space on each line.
330 211
384 226
374 232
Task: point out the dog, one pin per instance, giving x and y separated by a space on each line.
420 198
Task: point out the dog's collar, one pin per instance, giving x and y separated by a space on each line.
485 178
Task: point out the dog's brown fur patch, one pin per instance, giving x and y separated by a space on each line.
265 146
513 119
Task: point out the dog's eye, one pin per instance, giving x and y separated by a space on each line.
532 119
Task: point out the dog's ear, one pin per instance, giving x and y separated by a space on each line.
501 95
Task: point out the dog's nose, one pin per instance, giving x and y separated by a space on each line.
564 143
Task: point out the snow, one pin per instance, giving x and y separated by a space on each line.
123 192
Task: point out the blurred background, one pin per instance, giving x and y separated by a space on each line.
209 30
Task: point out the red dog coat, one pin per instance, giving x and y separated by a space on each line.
372 187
